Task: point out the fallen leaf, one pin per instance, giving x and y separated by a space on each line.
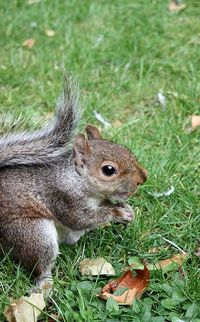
176 6
165 265
169 264
26 309
132 287
195 121
94 267
29 43
50 33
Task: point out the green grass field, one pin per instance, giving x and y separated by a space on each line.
124 53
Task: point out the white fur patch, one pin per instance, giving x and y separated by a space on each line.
67 235
49 232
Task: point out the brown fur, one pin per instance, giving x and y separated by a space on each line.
70 191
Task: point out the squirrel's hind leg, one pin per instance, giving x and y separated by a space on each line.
34 245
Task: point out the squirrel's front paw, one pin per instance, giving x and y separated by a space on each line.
123 213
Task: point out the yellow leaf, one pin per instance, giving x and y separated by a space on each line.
174 6
26 309
168 264
50 33
195 121
94 267
29 43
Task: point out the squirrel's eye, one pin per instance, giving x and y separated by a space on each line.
108 170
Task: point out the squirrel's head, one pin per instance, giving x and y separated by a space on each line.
109 169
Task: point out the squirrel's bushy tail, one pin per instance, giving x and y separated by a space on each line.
49 144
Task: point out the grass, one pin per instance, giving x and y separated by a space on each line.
124 52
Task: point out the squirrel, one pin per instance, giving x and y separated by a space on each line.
55 185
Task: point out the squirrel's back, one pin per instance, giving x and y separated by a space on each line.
49 144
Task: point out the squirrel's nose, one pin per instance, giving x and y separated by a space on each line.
142 176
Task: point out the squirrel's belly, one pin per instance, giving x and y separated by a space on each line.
67 235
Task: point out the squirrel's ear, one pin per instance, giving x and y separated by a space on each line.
93 133
81 149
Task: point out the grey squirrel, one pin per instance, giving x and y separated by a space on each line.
55 185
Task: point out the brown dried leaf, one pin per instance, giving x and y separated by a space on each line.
95 267
175 6
134 285
169 264
26 309
29 43
50 33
